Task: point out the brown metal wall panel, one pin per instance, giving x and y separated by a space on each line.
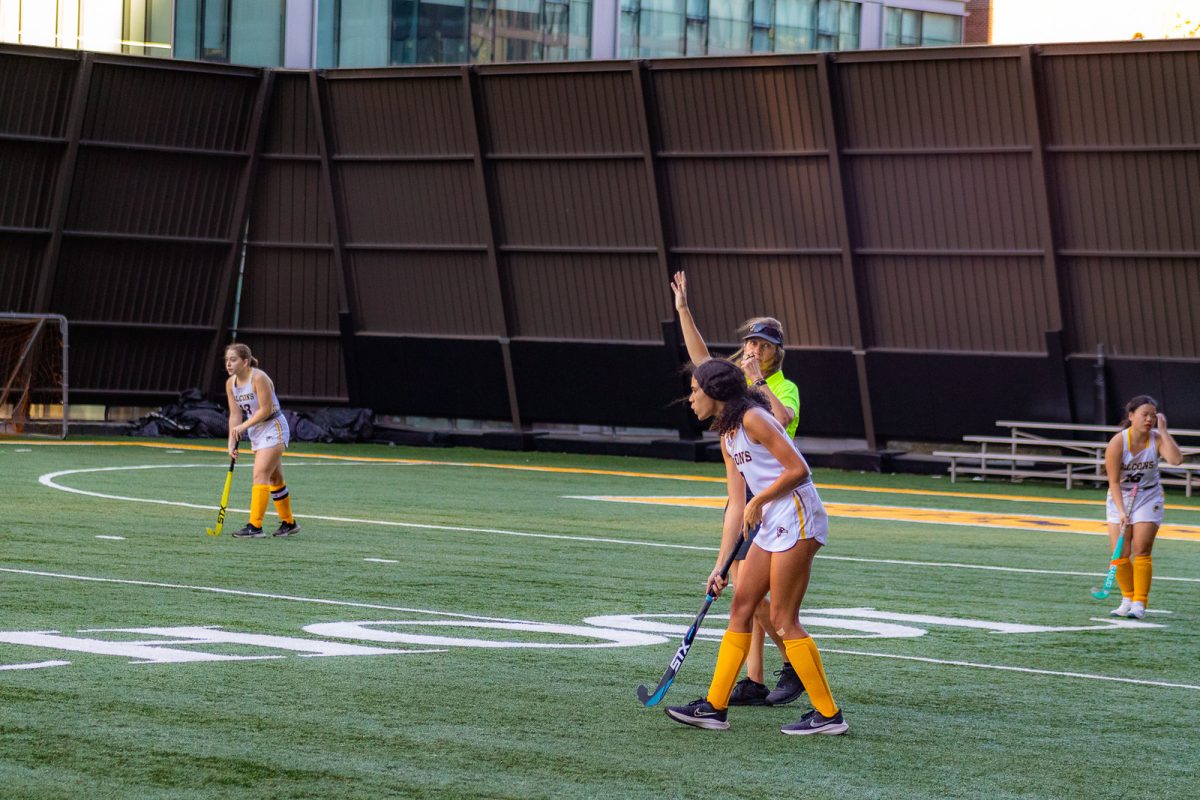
749 204
150 193
27 173
409 203
20 257
564 204
120 363
738 109
290 289
1121 97
403 116
137 282
948 304
587 297
291 125
559 113
807 294
287 206
165 107
1129 202
424 293
893 102
945 202
305 369
1135 306
35 91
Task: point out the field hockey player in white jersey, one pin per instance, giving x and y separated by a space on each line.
761 359
1131 460
792 526
254 410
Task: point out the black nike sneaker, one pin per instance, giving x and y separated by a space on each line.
287 529
748 692
788 689
250 532
699 714
815 722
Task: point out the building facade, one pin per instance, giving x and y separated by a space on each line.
373 33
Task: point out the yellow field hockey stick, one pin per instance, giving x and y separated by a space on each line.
224 500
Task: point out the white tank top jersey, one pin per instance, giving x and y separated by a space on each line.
1141 468
798 514
246 399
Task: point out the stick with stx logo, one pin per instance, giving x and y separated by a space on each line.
1103 591
668 677
224 500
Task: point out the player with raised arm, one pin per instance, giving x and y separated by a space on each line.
1131 459
761 359
758 454
254 409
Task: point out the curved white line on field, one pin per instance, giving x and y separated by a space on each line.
49 481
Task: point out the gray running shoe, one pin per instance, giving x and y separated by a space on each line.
815 722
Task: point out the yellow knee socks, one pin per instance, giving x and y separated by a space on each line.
1143 569
283 503
730 658
806 660
1125 577
258 503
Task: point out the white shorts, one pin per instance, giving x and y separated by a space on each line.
271 433
1147 507
799 515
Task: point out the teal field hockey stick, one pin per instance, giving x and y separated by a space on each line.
1111 577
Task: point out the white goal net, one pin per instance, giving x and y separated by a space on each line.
33 374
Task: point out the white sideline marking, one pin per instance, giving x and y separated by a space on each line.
23 450
1005 668
381 560
48 481
36 665
116 538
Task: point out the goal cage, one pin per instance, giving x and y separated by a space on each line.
33 374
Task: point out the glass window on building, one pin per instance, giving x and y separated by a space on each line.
377 33
233 31
905 27
136 27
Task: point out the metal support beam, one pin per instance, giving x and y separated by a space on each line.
856 287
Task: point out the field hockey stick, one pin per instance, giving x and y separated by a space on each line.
224 499
668 677
1104 591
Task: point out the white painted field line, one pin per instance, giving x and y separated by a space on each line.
381 560
114 538
1006 668
48 480
323 601
36 665
243 593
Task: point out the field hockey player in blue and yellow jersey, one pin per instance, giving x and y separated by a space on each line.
791 525
254 410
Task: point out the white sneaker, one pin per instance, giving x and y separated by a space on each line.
1137 610
1123 609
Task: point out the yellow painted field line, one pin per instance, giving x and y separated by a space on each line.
583 471
936 516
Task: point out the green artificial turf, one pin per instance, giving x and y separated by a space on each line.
474 545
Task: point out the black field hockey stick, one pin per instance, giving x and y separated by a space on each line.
652 699
224 499
1111 577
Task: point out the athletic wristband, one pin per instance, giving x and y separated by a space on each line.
761 382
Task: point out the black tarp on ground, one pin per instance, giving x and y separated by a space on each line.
194 417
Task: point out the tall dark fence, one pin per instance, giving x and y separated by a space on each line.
947 234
